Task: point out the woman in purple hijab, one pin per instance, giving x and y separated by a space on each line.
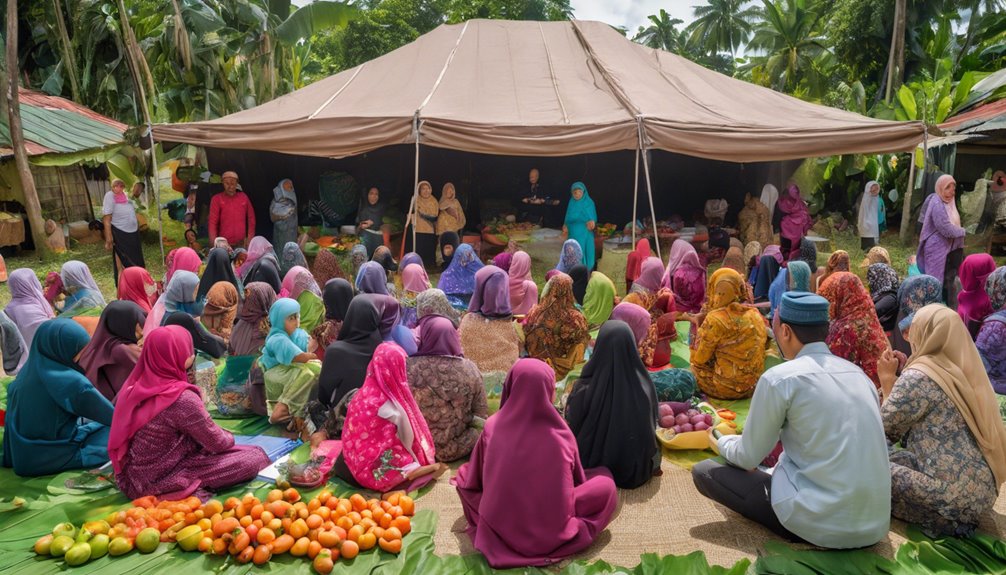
526 496
372 279
448 389
410 258
487 331
458 280
502 261
941 243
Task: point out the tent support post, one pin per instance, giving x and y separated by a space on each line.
635 199
157 188
649 189
413 207
906 206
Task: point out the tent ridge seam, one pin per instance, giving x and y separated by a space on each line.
551 73
622 98
443 71
337 92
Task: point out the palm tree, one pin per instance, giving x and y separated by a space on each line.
722 25
662 33
790 45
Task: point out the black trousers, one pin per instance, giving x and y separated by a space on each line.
867 243
954 260
746 492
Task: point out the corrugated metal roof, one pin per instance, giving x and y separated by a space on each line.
984 118
55 125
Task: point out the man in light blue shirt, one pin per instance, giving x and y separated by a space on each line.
832 485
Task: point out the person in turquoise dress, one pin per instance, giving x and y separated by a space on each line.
56 419
581 219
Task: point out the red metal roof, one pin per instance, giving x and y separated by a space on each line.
979 115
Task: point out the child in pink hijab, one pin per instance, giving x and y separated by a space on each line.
527 498
523 290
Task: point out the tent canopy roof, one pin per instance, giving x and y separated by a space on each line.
543 89
56 125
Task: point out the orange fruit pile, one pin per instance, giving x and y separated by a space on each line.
322 529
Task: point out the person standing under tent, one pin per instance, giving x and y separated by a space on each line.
283 212
581 219
122 231
424 219
231 214
871 216
369 218
452 215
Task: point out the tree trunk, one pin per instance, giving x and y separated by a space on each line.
182 37
69 56
133 57
892 64
899 55
9 88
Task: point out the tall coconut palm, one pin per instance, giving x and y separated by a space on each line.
662 33
722 25
790 45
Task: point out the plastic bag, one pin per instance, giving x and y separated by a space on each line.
231 391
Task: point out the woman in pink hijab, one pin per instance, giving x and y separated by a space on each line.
795 220
162 440
686 277
386 442
523 290
182 259
527 498
973 302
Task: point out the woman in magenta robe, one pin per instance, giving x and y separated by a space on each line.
163 441
527 498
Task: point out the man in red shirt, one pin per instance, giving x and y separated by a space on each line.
231 214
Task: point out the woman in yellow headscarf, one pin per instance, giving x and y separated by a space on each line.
452 217
728 352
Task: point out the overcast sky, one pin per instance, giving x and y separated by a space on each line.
632 13
628 13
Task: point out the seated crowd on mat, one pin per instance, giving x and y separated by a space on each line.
886 406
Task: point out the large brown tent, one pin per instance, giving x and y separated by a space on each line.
543 89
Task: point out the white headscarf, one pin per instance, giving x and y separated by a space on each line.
869 219
769 196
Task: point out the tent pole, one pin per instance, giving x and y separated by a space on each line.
906 206
415 184
635 199
157 188
649 189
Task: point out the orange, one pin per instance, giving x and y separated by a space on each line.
275 524
246 555
345 522
265 536
256 511
225 526
241 542
395 511
298 528
349 549
323 563
407 504
274 495
377 531
385 520
328 539
291 495
403 524
340 532
219 547
313 548
392 533
250 500
355 517
299 548
205 545
324 496
314 521
367 541
212 507
263 553
246 520
282 544
355 532
358 502
392 497
390 546
367 513
313 504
